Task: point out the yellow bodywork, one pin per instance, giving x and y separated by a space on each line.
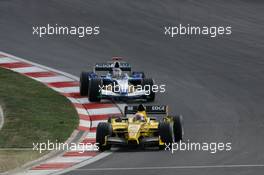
133 130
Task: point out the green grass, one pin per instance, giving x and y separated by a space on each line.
33 112
12 159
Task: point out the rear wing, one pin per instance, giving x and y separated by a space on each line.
109 66
153 109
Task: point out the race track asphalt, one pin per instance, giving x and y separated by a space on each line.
215 83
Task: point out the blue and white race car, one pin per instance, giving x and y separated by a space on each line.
117 82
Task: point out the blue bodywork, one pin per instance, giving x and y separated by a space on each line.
125 79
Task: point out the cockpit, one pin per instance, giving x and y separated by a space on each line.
139 117
116 73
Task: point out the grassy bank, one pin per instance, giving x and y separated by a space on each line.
33 114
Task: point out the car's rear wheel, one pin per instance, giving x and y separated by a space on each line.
148 86
103 129
94 90
84 83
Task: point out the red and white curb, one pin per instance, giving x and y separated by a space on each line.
90 114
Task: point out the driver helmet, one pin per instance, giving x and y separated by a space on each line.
117 72
139 117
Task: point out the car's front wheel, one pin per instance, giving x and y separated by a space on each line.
177 128
103 129
84 83
94 90
166 133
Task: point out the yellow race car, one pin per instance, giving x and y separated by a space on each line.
140 125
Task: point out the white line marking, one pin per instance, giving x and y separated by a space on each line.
67 159
7 60
53 79
83 100
81 111
170 167
101 111
72 89
90 135
29 69
85 123
73 100
37 172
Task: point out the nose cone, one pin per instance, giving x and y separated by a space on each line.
122 86
133 131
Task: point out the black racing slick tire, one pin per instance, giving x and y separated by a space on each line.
94 90
177 128
103 129
84 83
147 85
166 132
